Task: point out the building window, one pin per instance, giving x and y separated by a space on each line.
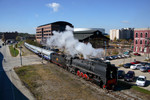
145 34
145 42
140 41
141 35
136 42
136 34
136 49
145 49
141 49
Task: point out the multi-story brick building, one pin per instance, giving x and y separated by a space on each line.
43 31
142 40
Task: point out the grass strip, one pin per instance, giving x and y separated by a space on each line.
13 51
141 90
130 86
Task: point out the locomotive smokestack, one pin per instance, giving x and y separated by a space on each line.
72 46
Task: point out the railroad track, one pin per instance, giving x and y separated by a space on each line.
116 95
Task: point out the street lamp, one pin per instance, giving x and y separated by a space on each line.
148 46
20 47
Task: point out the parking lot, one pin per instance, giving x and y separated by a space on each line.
118 62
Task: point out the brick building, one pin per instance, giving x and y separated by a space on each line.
44 31
142 40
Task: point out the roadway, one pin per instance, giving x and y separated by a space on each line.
11 87
7 90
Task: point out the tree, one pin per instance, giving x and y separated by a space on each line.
18 38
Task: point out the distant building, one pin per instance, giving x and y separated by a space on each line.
142 40
124 33
9 36
114 33
93 35
46 30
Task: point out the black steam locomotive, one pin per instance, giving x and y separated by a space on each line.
97 71
102 73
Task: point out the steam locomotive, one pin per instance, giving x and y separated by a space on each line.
102 73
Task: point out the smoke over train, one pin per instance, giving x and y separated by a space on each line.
71 45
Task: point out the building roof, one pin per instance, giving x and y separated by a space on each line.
88 30
58 22
142 29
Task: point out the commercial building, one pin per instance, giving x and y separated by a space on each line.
124 33
142 40
44 31
93 35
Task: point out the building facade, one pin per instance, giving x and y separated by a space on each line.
124 33
114 33
92 35
44 31
142 40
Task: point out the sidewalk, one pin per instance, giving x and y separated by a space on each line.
8 66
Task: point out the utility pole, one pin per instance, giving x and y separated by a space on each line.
20 55
105 50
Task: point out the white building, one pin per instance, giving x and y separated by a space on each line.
114 33
124 33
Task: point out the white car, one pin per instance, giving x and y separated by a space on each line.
141 81
136 66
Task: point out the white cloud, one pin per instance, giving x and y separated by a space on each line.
54 6
125 21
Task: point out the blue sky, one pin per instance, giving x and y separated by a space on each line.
26 15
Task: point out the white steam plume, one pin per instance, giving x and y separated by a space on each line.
72 46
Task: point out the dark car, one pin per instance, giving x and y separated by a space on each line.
129 76
121 74
137 54
127 65
144 63
115 57
147 65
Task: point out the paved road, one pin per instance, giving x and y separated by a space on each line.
11 87
7 90
137 72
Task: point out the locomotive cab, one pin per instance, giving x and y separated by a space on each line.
111 75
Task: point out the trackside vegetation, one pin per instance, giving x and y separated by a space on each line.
130 86
13 51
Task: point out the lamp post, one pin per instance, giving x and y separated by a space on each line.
20 47
105 50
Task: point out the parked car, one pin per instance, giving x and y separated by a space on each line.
143 69
136 66
119 56
127 55
108 58
147 65
127 65
135 62
144 63
141 81
137 54
121 74
115 57
129 76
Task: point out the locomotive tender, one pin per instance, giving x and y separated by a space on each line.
102 73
